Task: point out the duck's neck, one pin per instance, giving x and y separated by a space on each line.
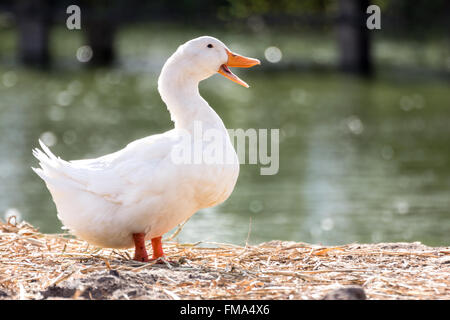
179 91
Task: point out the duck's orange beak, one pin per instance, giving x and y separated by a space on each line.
235 60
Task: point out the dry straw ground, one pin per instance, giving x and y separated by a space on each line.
42 266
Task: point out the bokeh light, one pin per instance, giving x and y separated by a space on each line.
273 54
84 54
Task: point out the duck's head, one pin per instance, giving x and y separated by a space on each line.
205 56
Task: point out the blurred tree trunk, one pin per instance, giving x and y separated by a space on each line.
353 37
100 26
33 21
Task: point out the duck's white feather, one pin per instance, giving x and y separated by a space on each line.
139 189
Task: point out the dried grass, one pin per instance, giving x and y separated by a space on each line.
32 262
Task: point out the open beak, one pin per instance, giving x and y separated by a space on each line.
235 60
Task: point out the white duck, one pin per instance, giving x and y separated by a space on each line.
140 192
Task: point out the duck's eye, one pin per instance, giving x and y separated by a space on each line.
210 45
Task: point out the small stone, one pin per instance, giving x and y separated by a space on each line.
114 273
348 293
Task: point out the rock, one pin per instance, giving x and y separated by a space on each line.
3 294
55 291
348 293
114 273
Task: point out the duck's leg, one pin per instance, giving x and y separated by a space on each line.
157 248
140 253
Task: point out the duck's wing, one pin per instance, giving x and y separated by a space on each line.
140 169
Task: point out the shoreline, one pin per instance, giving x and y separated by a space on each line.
34 265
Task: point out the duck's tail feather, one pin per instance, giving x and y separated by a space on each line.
55 170
51 167
47 160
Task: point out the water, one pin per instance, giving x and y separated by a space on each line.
360 161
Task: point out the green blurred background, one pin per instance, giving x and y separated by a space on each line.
363 114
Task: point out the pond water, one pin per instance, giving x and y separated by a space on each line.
360 161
